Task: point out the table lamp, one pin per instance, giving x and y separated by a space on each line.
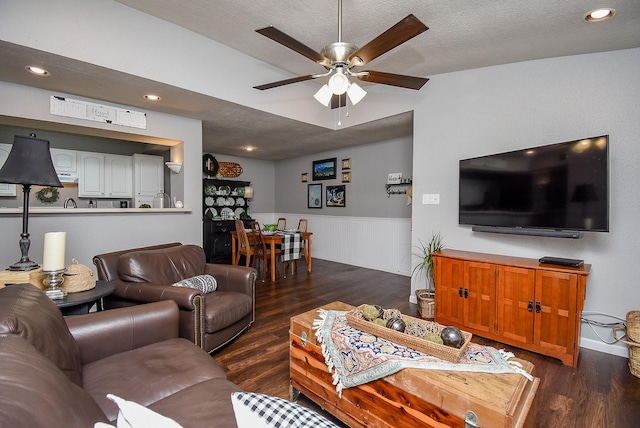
29 163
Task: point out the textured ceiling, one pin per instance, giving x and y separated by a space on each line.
462 35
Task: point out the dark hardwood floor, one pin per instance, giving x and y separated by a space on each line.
600 392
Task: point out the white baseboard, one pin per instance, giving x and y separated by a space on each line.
620 350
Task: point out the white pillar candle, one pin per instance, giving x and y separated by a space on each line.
54 249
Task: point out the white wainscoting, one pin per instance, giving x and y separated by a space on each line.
376 243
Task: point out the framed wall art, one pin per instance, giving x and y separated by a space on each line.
336 196
324 169
346 163
304 177
314 195
346 176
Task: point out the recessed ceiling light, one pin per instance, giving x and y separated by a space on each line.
152 97
249 148
600 14
39 71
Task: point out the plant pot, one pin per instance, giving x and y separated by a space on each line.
426 303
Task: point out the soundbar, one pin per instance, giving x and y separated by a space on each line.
561 261
529 232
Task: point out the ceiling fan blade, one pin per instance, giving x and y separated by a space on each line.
338 101
285 82
400 80
288 41
404 30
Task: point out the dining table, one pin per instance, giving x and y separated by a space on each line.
271 240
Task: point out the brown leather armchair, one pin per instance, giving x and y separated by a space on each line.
144 275
56 372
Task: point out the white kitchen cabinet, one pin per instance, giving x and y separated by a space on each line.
64 160
104 176
6 189
91 175
148 178
118 176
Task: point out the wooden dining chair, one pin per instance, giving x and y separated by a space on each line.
261 252
244 245
282 223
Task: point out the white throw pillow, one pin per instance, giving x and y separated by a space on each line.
134 415
204 283
262 411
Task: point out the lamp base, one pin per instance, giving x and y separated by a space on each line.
23 265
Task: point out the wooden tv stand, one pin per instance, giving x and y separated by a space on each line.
513 300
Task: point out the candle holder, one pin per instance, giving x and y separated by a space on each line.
53 279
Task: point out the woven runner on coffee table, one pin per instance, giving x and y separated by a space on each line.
356 357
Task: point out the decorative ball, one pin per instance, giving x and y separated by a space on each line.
451 336
388 314
380 322
396 324
380 310
433 337
370 312
417 329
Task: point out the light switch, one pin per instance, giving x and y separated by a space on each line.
430 198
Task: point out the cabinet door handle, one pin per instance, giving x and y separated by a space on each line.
530 306
537 307
466 293
460 291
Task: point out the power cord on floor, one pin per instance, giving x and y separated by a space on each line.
591 323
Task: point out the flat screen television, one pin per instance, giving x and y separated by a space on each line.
559 187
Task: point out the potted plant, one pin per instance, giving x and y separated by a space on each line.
425 296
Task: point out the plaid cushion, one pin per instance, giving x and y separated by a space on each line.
257 410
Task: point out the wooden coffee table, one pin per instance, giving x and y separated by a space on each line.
410 397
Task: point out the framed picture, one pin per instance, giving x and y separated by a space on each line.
346 177
324 169
346 163
304 177
336 196
314 195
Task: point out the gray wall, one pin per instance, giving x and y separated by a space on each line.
92 234
490 110
366 195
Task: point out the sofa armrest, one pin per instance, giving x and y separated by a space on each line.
233 278
144 292
104 333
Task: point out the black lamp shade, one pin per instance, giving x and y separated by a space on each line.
29 162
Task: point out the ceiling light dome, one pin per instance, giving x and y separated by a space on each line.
339 83
600 14
37 70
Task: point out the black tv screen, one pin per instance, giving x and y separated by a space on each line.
561 186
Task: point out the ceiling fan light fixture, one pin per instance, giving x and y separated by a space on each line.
355 93
324 95
339 83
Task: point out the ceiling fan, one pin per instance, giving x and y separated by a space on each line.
339 59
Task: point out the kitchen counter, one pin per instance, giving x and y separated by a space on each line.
85 211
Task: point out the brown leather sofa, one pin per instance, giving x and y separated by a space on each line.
56 371
144 275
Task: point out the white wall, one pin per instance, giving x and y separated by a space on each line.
88 235
495 109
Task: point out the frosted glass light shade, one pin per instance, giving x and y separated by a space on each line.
355 93
323 95
338 83
174 166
